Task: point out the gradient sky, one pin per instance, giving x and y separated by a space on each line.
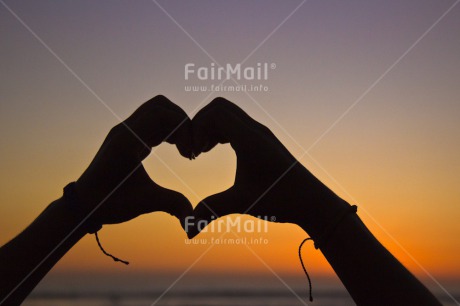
395 153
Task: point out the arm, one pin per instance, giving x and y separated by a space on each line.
26 259
115 188
371 274
271 182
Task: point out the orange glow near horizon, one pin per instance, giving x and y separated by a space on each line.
157 243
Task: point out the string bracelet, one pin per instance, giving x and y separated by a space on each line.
321 241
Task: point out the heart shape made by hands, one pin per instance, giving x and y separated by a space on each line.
269 181
212 173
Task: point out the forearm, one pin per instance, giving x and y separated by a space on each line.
26 259
370 273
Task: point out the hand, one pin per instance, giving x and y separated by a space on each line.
116 177
269 180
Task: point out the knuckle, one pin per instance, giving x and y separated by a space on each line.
161 99
118 136
156 101
117 130
221 103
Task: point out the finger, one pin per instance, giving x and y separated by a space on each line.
179 127
159 120
181 136
220 121
151 105
222 104
211 208
168 201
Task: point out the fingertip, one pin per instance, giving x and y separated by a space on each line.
198 139
185 151
197 226
191 233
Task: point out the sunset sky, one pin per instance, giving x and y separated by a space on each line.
366 93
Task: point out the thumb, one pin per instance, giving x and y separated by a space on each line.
211 208
171 202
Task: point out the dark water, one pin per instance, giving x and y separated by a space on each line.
79 290
190 298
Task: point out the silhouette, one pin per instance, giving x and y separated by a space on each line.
269 182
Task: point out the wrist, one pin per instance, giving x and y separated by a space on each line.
79 209
321 210
64 219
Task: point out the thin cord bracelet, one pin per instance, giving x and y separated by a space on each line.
305 269
90 226
319 243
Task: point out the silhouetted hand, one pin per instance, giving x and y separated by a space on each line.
117 177
269 180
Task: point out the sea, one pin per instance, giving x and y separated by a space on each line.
200 290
